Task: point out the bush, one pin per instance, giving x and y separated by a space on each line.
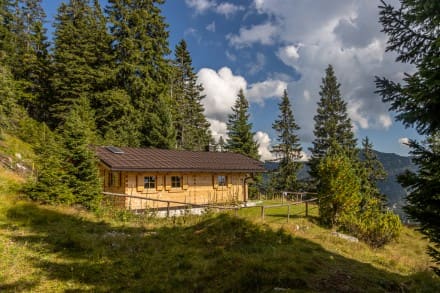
374 226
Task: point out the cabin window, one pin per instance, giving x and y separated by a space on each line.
221 180
149 182
176 182
114 179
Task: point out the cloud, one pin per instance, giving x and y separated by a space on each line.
289 55
221 90
308 35
200 5
228 9
267 89
218 128
262 33
404 141
258 64
211 27
264 142
225 8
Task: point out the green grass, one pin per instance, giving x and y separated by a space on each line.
59 249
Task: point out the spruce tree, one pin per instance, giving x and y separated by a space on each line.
52 182
371 171
191 125
333 128
239 129
78 135
80 54
140 44
160 132
413 30
288 148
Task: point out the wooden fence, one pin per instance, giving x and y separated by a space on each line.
235 208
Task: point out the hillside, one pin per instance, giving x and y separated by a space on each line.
59 249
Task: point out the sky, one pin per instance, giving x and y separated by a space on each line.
267 46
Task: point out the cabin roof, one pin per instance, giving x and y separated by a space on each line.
160 160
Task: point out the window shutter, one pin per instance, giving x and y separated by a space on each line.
185 182
159 182
168 183
215 181
140 183
106 181
229 181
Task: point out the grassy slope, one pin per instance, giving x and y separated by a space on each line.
49 249
58 249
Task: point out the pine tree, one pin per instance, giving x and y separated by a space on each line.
288 148
78 135
413 31
371 171
52 181
239 129
140 43
191 125
80 54
33 62
333 128
160 132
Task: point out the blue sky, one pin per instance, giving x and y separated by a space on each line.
266 46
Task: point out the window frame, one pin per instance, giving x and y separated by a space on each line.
176 182
151 183
222 180
114 179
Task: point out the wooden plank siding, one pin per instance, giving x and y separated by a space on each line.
196 188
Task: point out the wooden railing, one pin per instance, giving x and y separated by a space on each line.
235 208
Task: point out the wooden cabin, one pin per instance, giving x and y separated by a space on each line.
172 175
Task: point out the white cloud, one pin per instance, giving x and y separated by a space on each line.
289 55
262 33
227 9
267 89
200 5
308 35
264 142
404 141
230 56
258 65
211 27
221 90
218 128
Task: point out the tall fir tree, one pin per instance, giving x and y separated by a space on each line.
51 184
371 171
32 61
239 129
81 54
191 125
288 149
333 128
140 42
413 30
78 134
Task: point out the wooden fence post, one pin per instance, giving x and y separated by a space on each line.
307 208
288 213
168 209
262 213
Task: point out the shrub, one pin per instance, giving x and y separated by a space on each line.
373 225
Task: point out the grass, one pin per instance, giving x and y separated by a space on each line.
60 249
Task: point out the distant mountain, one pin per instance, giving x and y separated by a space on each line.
394 165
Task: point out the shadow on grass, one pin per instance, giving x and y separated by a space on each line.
221 253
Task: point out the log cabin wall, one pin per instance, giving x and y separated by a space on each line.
197 188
